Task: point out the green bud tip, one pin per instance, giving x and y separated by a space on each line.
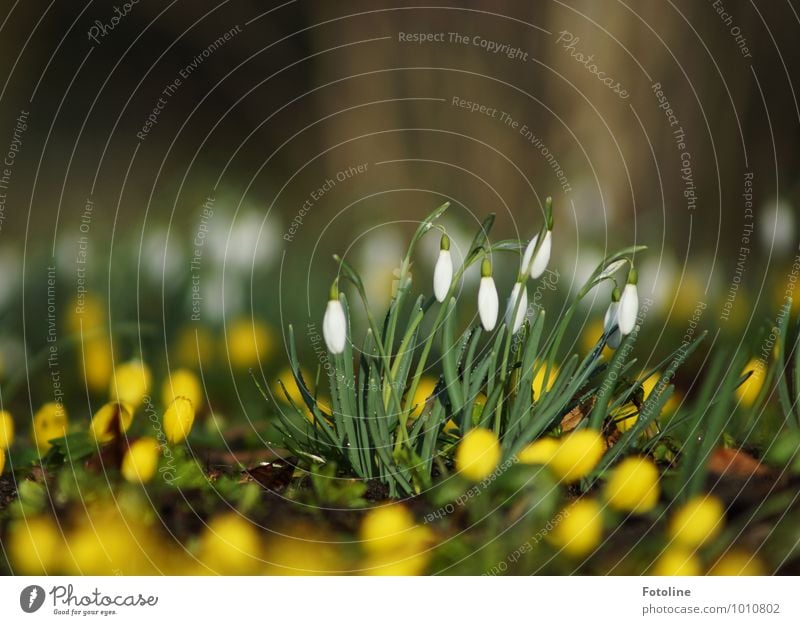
334 292
633 276
445 242
486 268
548 212
615 294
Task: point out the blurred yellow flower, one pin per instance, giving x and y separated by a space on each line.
748 392
677 561
110 421
287 378
249 342
88 315
580 528
478 454
49 422
425 389
394 564
2 460
178 420
386 528
302 551
577 454
738 562
141 461
592 332
130 383
194 347
230 545
539 452
697 521
97 365
182 383
34 545
6 429
633 486
538 386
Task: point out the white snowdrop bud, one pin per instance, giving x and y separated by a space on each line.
536 263
334 324
443 272
488 303
610 321
515 313
628 305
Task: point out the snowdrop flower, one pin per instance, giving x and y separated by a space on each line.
515 313
443 272
334 324
487 297
628 304
610 321
537 263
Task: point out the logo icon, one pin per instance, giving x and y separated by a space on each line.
31 598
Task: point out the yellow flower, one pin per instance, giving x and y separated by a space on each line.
738 562
182 383
577 454
302 550
34 544
538 386
625 423
194 347
88 316
633 486
591 334
230 545
539 452
677 561
6 429
386 528
424 390
249 342
110 421
141 461
396 563
2 460
131 383
49 422
287 378
97 364
478 454
178 420
749 391
579 529
697 521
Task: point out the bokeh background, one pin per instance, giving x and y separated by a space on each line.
161 154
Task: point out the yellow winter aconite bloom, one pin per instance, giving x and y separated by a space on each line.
579 529
633 486
424 390
738 562
677 561
194 347
87 315
131 383
287 378
2 460
110 421
478 454
538 386
697 521
577 454
230 545
34 545
539 452
386 528
6 429
97 364
249 342
178 420
141 461
302 550
405 563
182 383
748 392
49 422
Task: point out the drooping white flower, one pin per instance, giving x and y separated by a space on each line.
536 263
443 272
628 305
334 324
515 313
488 302
610 321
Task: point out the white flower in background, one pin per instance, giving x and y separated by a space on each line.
488 303
443 272
776 225
245 242
379 256
610 321
515 313
334 324
628 305
162 256
535 261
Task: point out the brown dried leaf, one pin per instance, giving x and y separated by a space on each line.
735 463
